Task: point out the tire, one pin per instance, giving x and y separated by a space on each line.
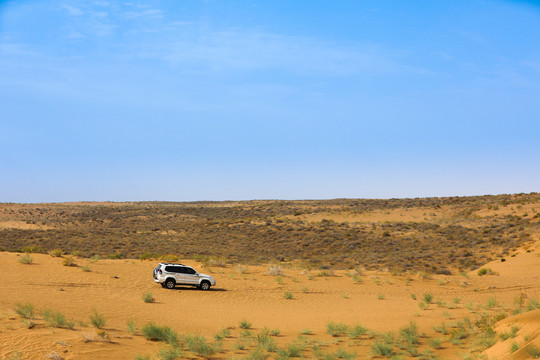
170 283
205 285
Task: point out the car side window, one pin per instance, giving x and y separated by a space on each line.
189 271
173 269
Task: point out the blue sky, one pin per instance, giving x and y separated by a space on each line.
229 100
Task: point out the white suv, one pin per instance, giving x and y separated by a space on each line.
170 275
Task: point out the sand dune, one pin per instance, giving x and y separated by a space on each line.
380 301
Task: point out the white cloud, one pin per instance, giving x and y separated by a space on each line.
247 51
73 11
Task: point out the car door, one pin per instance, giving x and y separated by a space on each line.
182 276
191 276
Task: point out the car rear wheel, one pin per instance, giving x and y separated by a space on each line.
205 285
170 283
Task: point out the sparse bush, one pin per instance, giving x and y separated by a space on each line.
95 258
53 356
274 270
533 351
147 255
33 249
382 349
217 261
148 297
155 332
57 319
117 256
306 332
76 253
266 342
86 268
224 333
142 357
435 343
170 353
288 295
97 319
428 298
131 326
26 310
242 269
410 334
336 329
198 345
514 347
356 331
326 273
56 253
26 259
244 324
485 271
69 261
294 350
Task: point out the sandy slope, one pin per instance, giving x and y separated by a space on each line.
381 302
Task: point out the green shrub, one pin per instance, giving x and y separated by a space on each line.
198 345
435 343
294 350
146 255
97 319
86 268
57 319
336 329
170 353
155 332
131 326
382 349
266 342
142 357
148 298
244 324
428 298
56 252
117 255
26 310
485 271
69 261
288 295
33 249
76 253
533 351
356 331
514 347
342 354
26 259
306 332
410 334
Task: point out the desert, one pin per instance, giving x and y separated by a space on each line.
98 300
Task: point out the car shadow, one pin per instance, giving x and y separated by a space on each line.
192 288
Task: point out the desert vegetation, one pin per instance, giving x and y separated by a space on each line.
435 235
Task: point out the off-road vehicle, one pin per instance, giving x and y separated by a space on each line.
170 275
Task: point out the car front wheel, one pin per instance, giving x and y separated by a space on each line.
205 285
